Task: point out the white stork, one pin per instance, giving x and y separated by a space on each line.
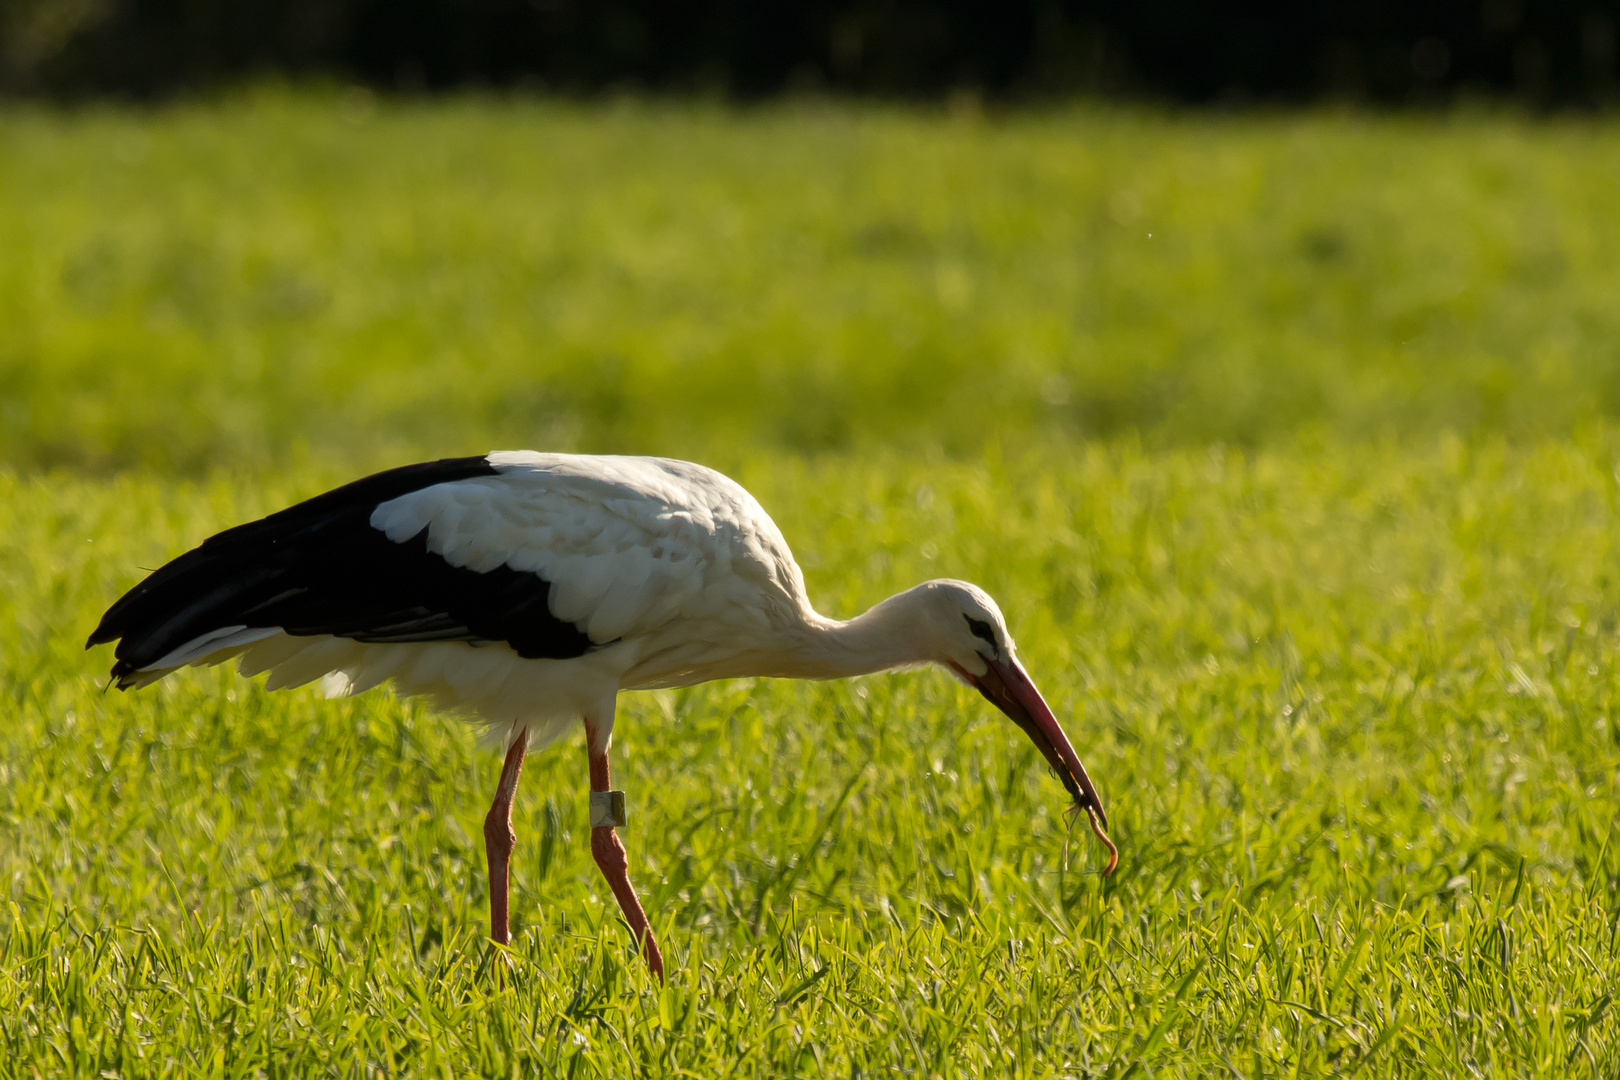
527 590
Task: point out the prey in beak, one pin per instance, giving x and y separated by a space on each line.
1007 686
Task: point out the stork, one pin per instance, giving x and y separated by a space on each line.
527 590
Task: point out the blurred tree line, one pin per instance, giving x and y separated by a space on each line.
1559 53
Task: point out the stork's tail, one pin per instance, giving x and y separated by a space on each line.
280 573
193 609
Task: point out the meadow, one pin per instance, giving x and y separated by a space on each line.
1288 444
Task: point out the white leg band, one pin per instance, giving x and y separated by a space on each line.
607 808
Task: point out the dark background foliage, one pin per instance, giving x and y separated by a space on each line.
1544 53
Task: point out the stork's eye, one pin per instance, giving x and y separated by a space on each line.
981 629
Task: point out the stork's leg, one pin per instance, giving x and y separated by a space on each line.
499 838
615 864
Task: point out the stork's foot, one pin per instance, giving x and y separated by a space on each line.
499 840
607 810
500 965
615 866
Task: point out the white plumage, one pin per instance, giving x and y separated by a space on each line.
528 590
674 569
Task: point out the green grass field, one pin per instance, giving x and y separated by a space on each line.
1304 511
285 278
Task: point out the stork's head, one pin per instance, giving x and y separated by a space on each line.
969 637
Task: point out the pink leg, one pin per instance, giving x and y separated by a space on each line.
615 864
499 838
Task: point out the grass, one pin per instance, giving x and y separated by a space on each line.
1304 513
1356 721
285 277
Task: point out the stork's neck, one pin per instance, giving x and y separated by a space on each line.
885 637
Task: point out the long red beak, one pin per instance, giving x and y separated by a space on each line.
1007 686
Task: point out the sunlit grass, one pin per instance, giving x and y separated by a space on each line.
285 276
1287 443
1354 715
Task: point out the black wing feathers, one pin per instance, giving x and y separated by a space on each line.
320 568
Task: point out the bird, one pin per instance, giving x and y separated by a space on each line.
525 591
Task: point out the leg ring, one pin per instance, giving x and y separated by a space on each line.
607 808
